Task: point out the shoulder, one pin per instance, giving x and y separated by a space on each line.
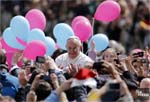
85 57
61 56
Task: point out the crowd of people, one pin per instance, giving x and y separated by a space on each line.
131 29
119 73
72 76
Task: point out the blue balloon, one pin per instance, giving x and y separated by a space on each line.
20 27
62 32
11 40
50 45
62 44
101 41
36 34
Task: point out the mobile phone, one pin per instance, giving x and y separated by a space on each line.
40 59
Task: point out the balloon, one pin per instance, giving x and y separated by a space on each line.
21 41
50 45
1 46
20 27
36 34
7 47
9 56
107 11
62 44
34 48
83 30
62 32
78 18
36 19
10 39
101 41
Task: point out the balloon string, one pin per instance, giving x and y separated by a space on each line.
82 47
92 26
92 32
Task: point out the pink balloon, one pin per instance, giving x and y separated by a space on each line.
9 56
9 53
83 30
77 18
36 19
7 47
33 49
0 43
107 11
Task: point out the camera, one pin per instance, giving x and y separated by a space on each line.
139 54
40 59
97 65
117 61
143 61
42 77
100 68
46 78
51 71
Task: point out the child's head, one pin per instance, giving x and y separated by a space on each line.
109 55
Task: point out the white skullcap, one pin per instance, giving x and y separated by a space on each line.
75 37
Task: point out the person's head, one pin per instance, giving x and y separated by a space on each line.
42 90
48 63
109 55
117 46
27 65
145 83
3 68
22 77
135 53
57 53
6 99
14 71
2 57
145 86
73 46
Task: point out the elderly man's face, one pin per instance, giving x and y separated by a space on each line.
73 48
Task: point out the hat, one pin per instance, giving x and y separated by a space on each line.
136 51
84 77
75 37
13 68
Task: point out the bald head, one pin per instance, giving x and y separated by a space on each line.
145 83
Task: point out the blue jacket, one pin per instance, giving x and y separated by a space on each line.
10 84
